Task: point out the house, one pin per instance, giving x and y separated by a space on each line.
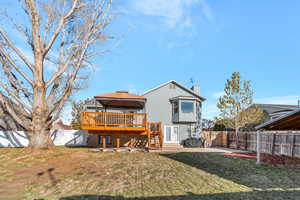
287 121
270 112
59 125
274 111
178 108
164 115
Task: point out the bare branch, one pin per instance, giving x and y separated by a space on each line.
25 32
15 49
10 109
70 85
11 93
57 107
60 71
60 26
35 23
15 66
53 91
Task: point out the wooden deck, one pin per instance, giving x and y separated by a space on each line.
111 123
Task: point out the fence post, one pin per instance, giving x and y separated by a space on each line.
227 139
222 139
293 146
273 143
258 147
246 141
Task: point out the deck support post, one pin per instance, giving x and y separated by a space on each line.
118 142
149 139
161 138
104 142
131 143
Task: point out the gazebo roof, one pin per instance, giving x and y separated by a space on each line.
121 99
119 95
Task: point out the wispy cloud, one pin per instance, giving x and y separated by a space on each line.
171 13
290 100
206 11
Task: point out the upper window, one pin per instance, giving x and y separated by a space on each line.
187 107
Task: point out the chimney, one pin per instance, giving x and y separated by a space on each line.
196 89
299 103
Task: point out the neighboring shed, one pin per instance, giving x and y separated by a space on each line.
289 121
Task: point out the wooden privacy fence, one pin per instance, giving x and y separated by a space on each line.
271 142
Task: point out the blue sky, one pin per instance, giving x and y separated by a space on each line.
160 40
206 40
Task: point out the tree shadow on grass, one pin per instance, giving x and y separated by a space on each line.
240 171
253 195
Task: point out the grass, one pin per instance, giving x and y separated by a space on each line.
75 173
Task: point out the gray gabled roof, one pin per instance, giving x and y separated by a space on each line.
273 121
179 85
274 108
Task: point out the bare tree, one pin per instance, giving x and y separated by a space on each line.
77 108
64 35
207 124
235 104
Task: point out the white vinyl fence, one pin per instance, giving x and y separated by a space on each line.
60 138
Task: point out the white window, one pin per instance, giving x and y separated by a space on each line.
187 107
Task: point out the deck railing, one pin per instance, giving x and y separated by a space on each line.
112 119
154 127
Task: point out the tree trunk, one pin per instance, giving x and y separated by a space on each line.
236 131
40 136
40 139
237 138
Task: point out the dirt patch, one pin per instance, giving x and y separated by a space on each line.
26 167
249 156
274 160
278 161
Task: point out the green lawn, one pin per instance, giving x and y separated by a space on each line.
76 173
